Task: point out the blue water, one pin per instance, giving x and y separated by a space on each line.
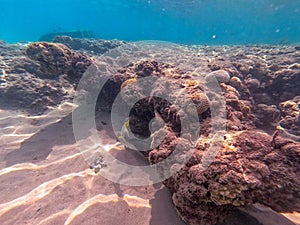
181 21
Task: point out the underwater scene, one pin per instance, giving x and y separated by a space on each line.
150 112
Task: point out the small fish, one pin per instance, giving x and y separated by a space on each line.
125 136
130 140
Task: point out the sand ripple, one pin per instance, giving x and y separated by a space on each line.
44 178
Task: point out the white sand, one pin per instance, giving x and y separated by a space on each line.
45 180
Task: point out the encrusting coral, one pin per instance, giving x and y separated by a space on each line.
291 116
57 59
250 166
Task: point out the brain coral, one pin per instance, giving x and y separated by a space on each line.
222 76
201 102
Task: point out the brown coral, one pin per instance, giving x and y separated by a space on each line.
290 120
267 115
249 168
56 59
131 93
201 102
146 68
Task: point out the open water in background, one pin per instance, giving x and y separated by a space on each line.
209 22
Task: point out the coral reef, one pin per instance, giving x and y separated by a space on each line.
290 120
250 167
36 76
258 157
23 86
57 59
201 102
88 45
48 37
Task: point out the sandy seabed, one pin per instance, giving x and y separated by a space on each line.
45 180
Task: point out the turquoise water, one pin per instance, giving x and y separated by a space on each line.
185 21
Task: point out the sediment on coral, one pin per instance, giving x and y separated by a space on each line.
24 86
258 156
91 46
57 59
251 165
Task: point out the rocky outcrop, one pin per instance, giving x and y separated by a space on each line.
257 159
57 59
89 45
290 119
24 86
36 76
251 166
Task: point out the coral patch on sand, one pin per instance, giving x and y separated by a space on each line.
251 166
249 97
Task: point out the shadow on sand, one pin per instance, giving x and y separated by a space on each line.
40 145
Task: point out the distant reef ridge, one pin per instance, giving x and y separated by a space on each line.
75 34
